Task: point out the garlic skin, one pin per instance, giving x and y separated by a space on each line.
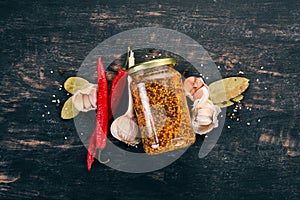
85 99
125 127
204 112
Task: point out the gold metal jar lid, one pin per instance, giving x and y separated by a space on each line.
153 63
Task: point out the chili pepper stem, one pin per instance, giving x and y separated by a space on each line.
99 157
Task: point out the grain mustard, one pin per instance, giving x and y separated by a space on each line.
160 106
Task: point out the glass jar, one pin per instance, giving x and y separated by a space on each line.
160 106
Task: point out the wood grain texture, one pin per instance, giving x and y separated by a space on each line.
44 42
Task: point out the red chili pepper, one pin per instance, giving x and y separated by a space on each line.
91 151
105 107
99 135
116 91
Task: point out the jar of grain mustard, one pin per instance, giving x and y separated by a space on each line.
160 106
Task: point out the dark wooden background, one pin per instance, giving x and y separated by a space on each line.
44 42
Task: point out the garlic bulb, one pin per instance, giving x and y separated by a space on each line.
204 113
205 117
85 99
125 128
196 89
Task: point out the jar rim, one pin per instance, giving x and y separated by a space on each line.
152 63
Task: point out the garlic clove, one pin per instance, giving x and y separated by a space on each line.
202 95
203 120
78 101
217 111
93 100
86 103
206 112
204 129
198 94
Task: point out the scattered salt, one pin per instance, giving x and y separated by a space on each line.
43 115
53 95
240 72
51 71
53 101
257 80
266 88
201 65
228 127
45 106
58 101
248 123
146 56
48 112
261 67
258 120
66 138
